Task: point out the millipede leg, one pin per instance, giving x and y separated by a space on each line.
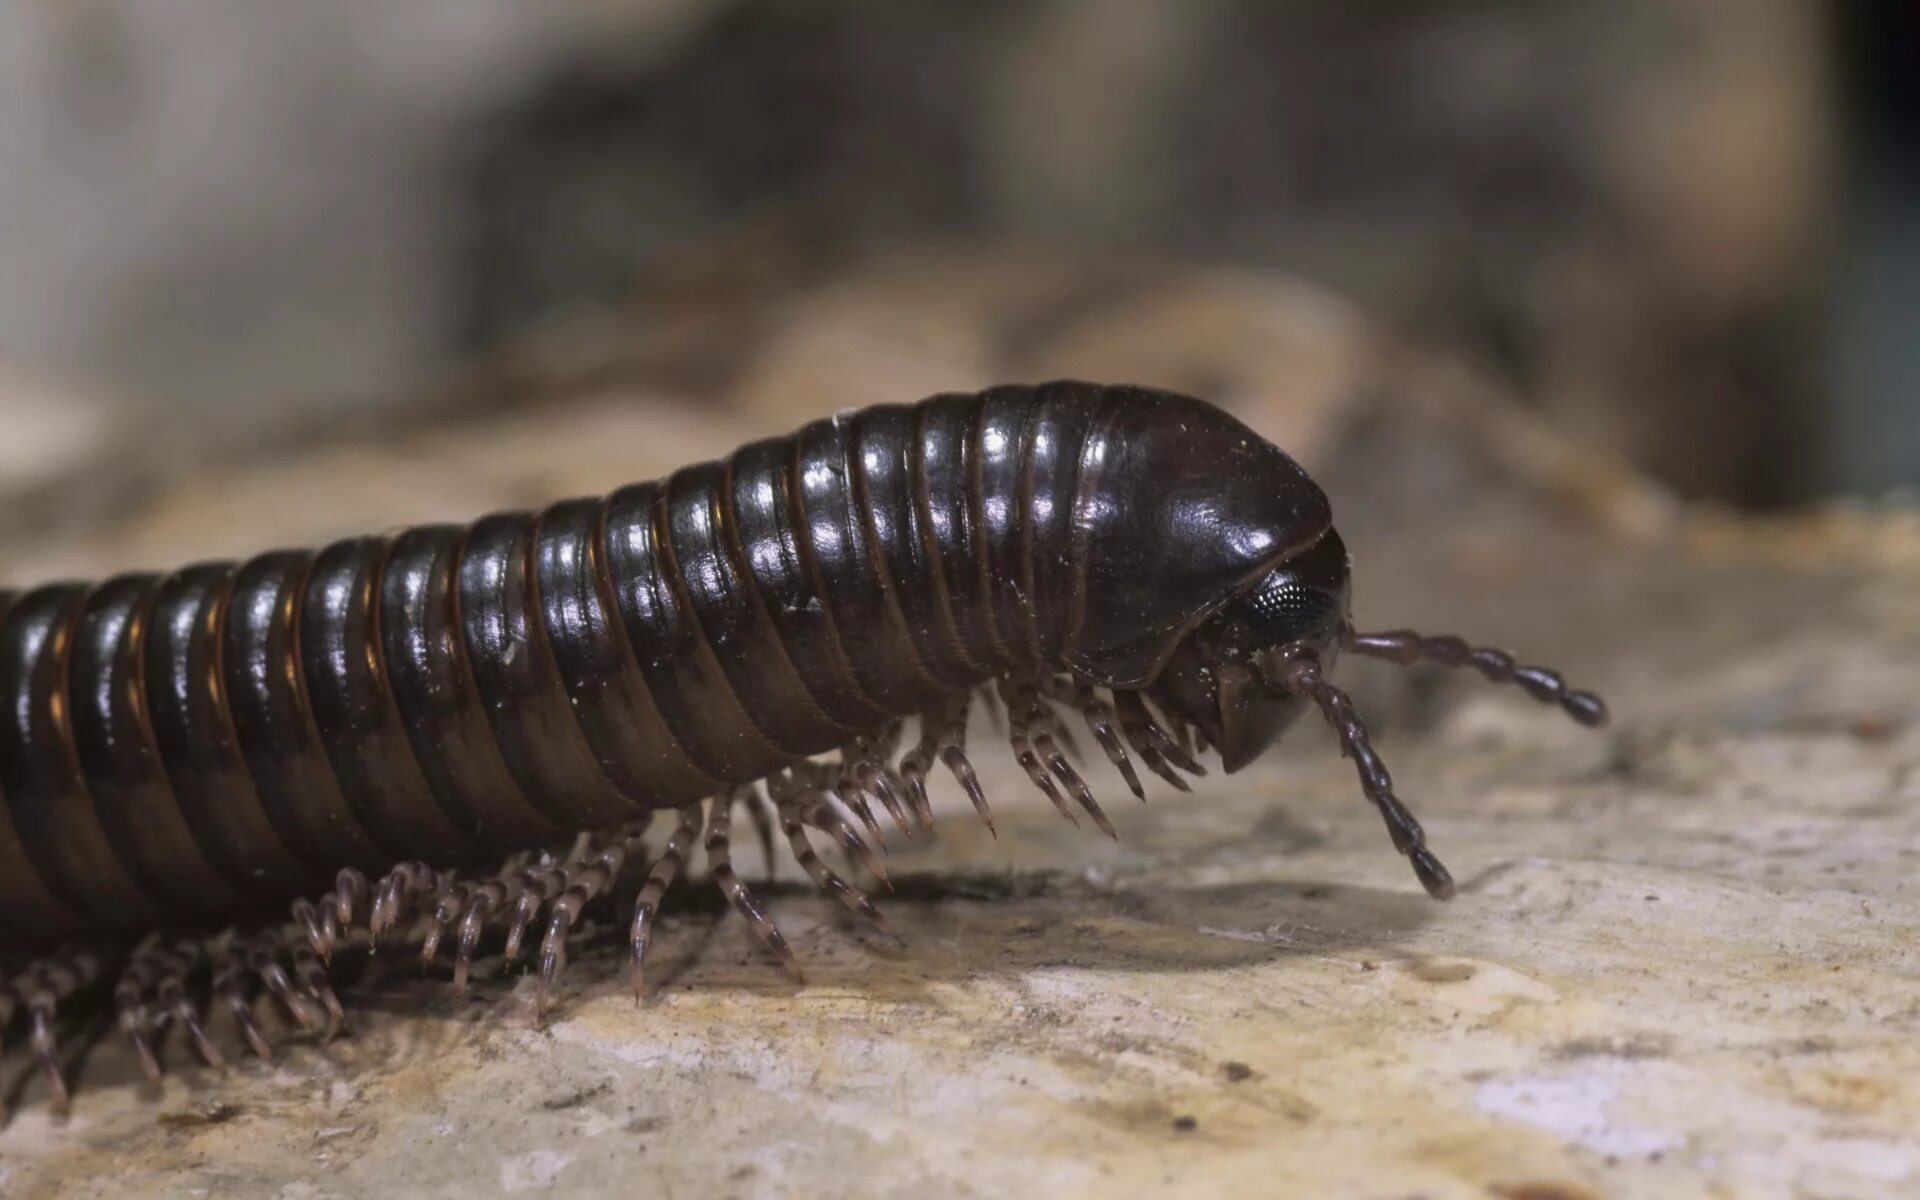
42 989
1100 720
915 764
952 747
943 736
400 895
485 900
320 921
538 885
1405 647
823 817
1153 744
335 914
311 974
660 877
171 993
870 776
760 811
158 972
41 1004
585 882
1300 674
922 756
801 791
1057 688
1044 743
130 994
824 876
1030 720
1019 737
262 957
316 921
352 898
856 802
447 911
233 986
829 784
720 863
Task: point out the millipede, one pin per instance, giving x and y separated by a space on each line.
215 780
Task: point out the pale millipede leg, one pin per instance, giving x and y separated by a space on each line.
829 785
41 1004
352 898
817 812
486 903
762 816
720 864
585 882
1155 747
1019 737
915 764
172 995
448 910
870 777
233 986
1030 720
159 971
887 746
539 885
1057 689
335 914
856 802
660 877
952 747
943 737
315 921
801 791
1100 720
130 992
824 876
262 957
42 988
402 893
311 974
1050 751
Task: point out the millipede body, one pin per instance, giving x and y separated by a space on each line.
464 733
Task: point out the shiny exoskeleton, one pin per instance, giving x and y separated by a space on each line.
196 744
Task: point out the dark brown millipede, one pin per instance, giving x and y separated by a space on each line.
187 751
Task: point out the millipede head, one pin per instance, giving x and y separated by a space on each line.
1213 681
1251 668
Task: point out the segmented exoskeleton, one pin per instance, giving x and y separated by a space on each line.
184 749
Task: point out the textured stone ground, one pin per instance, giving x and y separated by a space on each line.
1682 962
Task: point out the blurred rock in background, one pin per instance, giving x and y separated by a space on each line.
233 225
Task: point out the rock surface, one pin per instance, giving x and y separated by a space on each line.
1682 962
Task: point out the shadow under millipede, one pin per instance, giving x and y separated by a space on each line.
959 928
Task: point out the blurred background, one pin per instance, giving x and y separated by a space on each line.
1683 232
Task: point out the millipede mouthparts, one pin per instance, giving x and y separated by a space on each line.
504 709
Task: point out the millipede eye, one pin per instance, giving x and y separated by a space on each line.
1285 609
